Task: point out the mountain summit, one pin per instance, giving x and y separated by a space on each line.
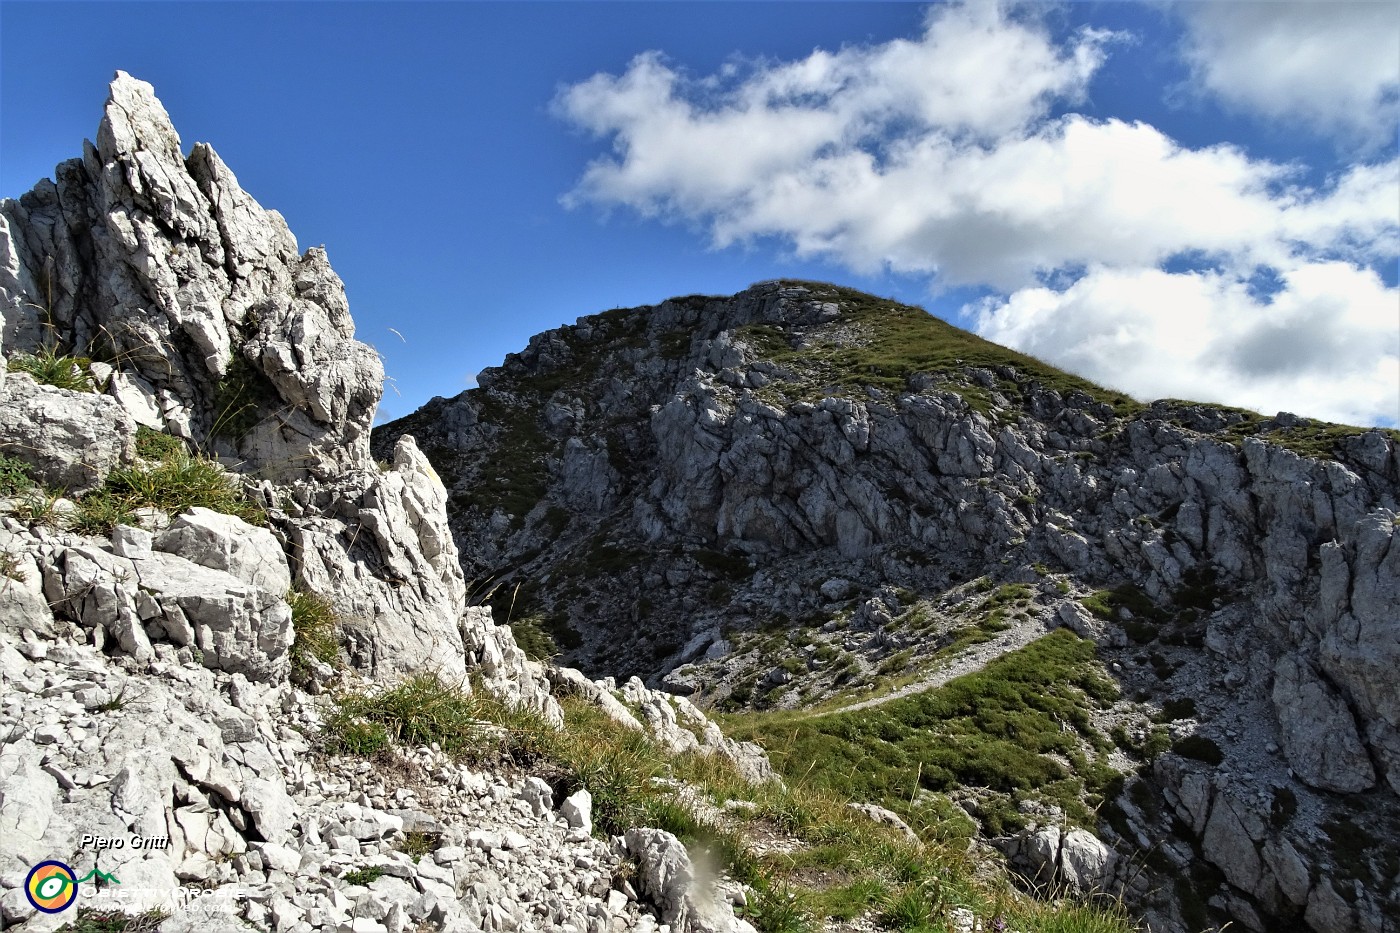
803 495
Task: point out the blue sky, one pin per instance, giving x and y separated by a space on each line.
1197 200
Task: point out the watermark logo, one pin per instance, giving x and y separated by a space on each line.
52 886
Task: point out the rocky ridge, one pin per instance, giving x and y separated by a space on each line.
769 499
153 688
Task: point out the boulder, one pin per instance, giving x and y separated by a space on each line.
577 810
228 543
668 879
70 440
1086 864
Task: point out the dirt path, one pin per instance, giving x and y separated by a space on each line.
973 659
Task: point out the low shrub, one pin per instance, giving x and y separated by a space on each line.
363 876
1177 708
14 476
91 920
533 638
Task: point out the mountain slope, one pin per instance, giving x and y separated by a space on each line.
802 493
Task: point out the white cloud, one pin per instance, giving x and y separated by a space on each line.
940 157
1326 344
686 146
1331 66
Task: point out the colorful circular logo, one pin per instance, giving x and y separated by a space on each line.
51 887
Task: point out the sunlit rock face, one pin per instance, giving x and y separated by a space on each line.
206 318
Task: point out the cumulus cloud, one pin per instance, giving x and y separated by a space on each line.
1325 344
1332 67
948 156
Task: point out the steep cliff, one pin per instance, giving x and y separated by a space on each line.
771 499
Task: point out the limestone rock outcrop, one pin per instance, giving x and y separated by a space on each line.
71 440
673 721
213 326
1319 733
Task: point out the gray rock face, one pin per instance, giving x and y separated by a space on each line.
167 270
227 543
71 440
1355 615
236 627
714 464
1319 733
669 880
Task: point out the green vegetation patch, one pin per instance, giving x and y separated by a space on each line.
419 711
1003 728
898 341
363 876
177 483
242 399
1105 604
843 864
535 636
1315 439
156 445
316 625
1200 748
49 367
732 566
14 476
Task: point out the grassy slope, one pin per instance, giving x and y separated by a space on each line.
829 863
1008 728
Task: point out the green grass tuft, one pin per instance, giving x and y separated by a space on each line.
363 876
317 628
50 367
156 445
177 483
419 711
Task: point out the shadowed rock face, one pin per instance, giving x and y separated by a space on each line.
214 325
664 487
